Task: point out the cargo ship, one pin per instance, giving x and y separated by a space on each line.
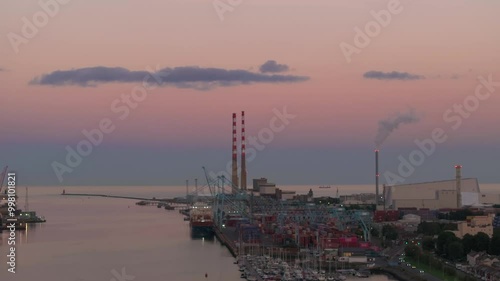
201 220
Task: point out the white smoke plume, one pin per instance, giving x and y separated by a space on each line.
390 124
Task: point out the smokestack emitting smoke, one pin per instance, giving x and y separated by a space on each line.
234 178
458 169
385 129
376 178
389 125
243 184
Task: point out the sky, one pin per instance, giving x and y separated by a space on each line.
320 82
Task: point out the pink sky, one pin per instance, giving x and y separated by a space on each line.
336 106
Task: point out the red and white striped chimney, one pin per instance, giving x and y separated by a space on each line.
243 184
234 178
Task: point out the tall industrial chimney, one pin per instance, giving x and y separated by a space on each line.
234 177
243 184
377 200
458 177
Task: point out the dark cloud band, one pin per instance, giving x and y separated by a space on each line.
394 75
181 77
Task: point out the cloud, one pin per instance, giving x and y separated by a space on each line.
394 75
273 66
2 69
182 77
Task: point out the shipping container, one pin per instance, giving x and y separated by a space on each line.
358 259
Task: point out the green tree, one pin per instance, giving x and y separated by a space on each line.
428 244
443 240
496 232
495 246
450 271
449 226
455 250
374 232
425 258
482 241
469 243
389 232
412 251
429 228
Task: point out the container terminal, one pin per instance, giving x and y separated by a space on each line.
265 225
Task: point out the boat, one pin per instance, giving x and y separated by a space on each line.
201 220
30 217
325 186
169 207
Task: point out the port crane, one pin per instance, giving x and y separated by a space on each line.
209 181
202 190
224 195
229 199
223 200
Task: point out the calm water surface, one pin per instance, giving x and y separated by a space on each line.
89 239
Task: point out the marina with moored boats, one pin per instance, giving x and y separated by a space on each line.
11 217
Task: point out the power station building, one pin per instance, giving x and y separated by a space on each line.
433 195
446 194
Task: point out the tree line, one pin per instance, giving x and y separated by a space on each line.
449 246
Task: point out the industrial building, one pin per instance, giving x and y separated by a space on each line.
475 224
263 186
489 199
435 195
358 199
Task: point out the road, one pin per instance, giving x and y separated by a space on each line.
392 257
